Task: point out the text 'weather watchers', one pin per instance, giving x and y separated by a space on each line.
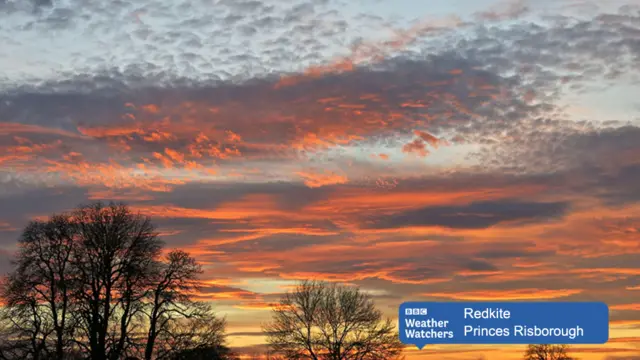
504 323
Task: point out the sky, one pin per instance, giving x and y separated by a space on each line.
421 150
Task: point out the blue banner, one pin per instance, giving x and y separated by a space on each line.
424 323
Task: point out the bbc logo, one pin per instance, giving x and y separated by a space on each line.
415 311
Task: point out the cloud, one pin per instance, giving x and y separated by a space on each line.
172 40
275 144
321 179
625 339
470 98
632 357
507 10
5 226
519 294
360 106
632 307
221 292
475 215
417 146
123 136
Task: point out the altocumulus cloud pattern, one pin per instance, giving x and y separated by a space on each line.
437 150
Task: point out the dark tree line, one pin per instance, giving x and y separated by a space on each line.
93 284
547 352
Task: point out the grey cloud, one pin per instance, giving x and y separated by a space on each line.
244 6
519 252
299 12
607 41
209 290
419 271
600 160
621 186
479 265
143 31
389 86
421 268
503 53
287 196
23 205
5 260
475 215
11 6
20 203
277 242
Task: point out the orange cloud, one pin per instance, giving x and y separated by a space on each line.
598 274
5 226
114 195
356 200
625 323
633 307
217 296
255 234
629 339
254 206
417 147
314 180
595 232
113 175
12 128
22 154
519 294
428 138
256 305
385 274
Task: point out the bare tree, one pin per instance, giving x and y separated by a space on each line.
25 334
205 353
169 301
547 352
37 293
198 331
321 321
114 263
92 284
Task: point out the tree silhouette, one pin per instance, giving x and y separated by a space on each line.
547 352
197 332
114 261
91 283
331 322
37 293
169 300
205 353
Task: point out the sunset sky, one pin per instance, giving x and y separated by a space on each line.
420 149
